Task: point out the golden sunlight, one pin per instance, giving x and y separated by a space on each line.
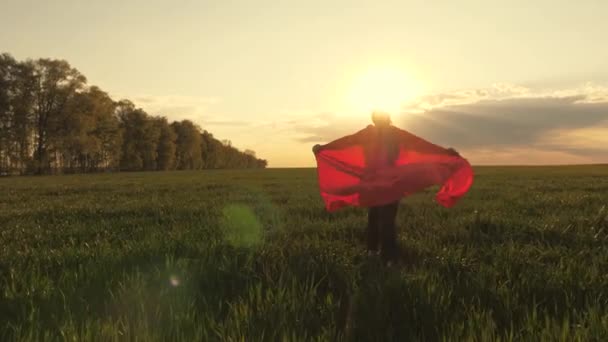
382 88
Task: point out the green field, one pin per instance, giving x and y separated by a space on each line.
252 255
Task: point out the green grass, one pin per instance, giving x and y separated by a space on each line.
252 255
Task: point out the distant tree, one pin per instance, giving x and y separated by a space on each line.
16 114
221 154
140 138
107 131
7 83
209 150
23 117
90 134
166 145
71 138
50 121
56 83
188 145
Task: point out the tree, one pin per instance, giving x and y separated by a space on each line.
51 121
7 83
89 132
188 145
209 150
17 85
166 145
23 117
140 138
56 83
221 154
107 130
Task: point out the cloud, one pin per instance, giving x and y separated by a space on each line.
524 156
322 126
502 120
176 107
234 123
505 122
588 93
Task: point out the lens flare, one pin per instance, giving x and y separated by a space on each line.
384 89
174 281
241 226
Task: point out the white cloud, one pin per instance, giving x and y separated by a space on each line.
588 93
176 107
524 156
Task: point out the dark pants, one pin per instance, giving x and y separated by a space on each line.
381 230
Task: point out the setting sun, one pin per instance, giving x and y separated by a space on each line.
382 88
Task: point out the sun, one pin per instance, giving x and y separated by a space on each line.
382 88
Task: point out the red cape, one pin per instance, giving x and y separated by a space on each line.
348 175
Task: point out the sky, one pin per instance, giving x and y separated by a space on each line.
503 82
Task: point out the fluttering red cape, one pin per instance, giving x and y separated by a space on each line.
350 176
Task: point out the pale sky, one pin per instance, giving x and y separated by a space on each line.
503 82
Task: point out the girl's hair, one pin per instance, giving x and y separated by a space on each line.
381 118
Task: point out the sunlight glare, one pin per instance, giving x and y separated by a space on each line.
382 88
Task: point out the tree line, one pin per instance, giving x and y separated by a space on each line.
51 121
